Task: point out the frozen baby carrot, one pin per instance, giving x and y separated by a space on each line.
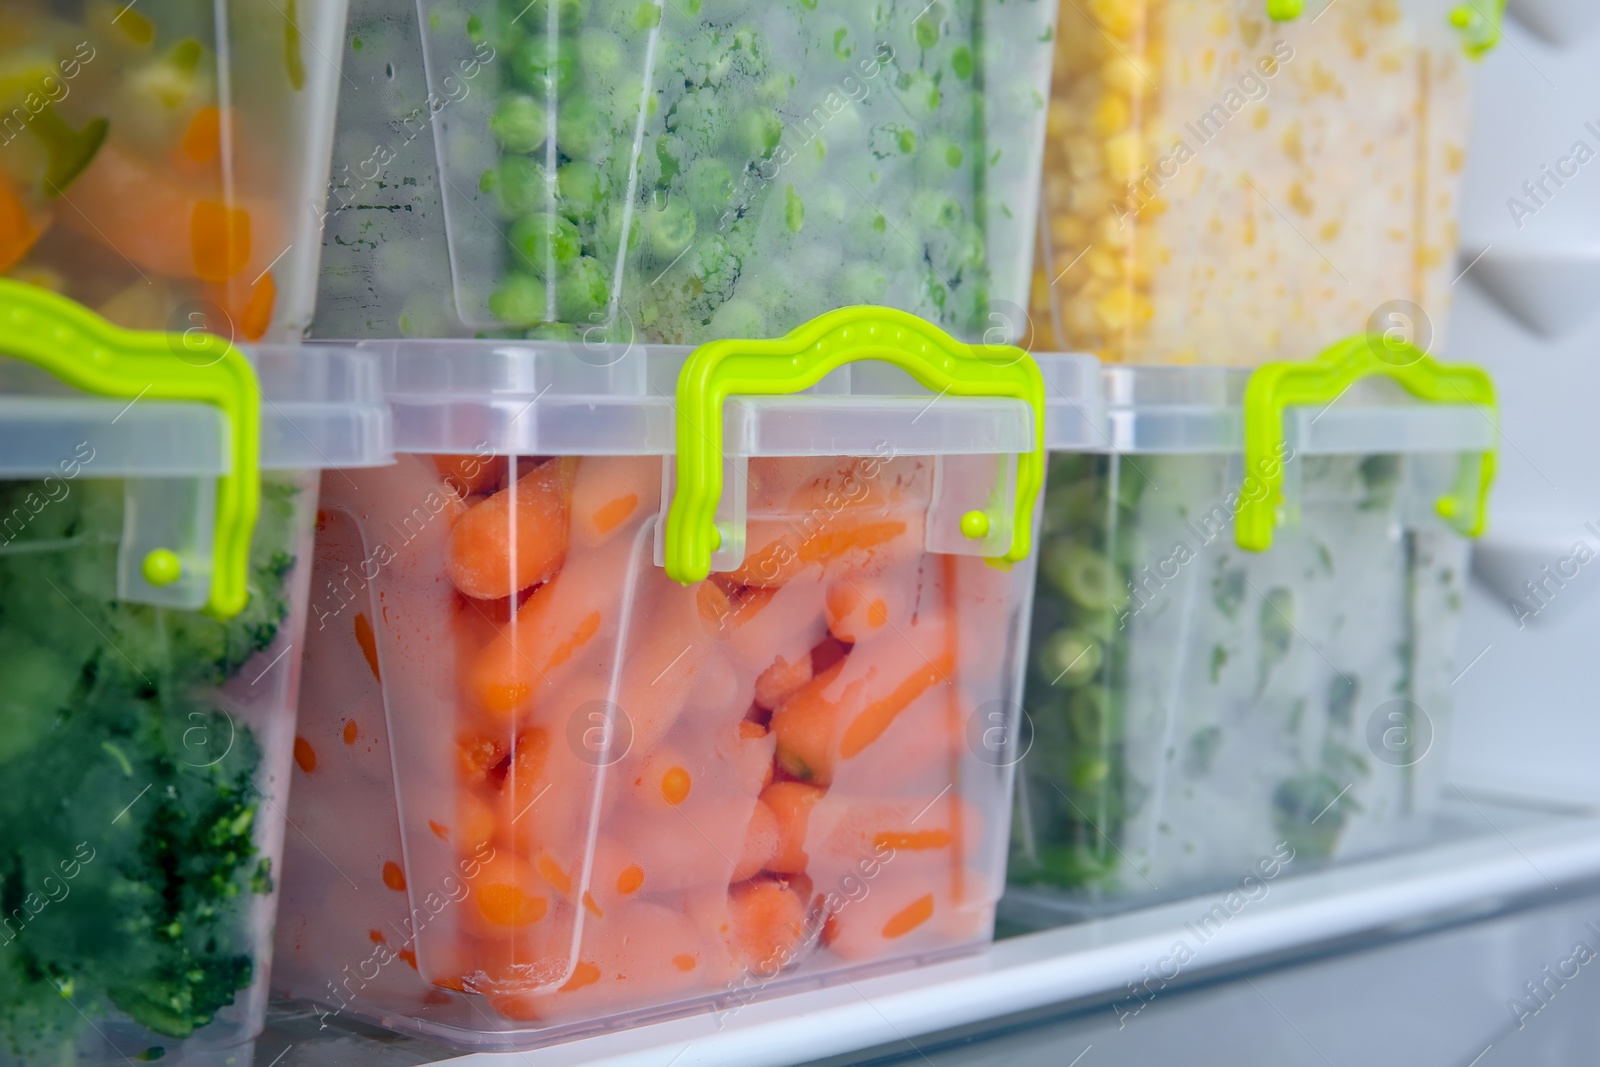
858 607
788 548
836 716
790 804
781 680
612 491
20 227
556 623
508 893
469 474
761 843
516 538
768 923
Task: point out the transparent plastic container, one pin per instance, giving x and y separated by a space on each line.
1200 710
1222 188
145 748
556 790
166 164
675 173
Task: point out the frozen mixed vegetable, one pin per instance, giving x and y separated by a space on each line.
1222 188
677 172
618 791
1195 705
130 869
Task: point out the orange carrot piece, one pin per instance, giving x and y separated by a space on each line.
858 608
552 626
20 228
219 240
761 843
909 917
368 642
610 492
305 755
805 726
873 719
790 804
796 547
393 876
470 474
768 921
508 893
781 681
515 539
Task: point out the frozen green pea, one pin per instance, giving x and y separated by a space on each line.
709 186
581 188
961 62
920 95
535 15
1070 658
583 132
497 29
939 160
518 185
926 27
555 331
600 57
739 317
582 290
668 228
519 301
700 119
794 210
544 241
1089 578
545 66
758 132
519 123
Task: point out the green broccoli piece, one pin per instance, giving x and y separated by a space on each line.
128 861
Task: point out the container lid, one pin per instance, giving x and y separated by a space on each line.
854 382
186 421
1168 410
321 407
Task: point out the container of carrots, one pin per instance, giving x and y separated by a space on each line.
1244 632
679 172
1242 181
657 680
156 520
165 165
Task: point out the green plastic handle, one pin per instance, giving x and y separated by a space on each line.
1276 386
1477 21
720 369
91 355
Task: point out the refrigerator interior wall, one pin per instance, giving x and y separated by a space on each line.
1526 311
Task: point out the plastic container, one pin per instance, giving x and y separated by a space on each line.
166 164
1200 709
678 173
626 791
145 746
1223 188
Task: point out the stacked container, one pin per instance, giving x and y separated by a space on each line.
677 173
158 500
560 788
165 164
1209 694
1224 188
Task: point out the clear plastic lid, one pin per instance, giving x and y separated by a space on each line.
1193 409
321 407
573 398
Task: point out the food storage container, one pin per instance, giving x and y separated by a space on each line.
165 164
156 503
1244 633
652 681
670 172
1225 188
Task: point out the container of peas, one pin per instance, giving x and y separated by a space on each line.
677 172
1245 622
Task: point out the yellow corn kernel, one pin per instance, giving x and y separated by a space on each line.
1292 145
1129 76
1067 231
1103 264
1124 155
1259 119
1111 115
1330 230
1299 200
1120 18
1115 310
1083 156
